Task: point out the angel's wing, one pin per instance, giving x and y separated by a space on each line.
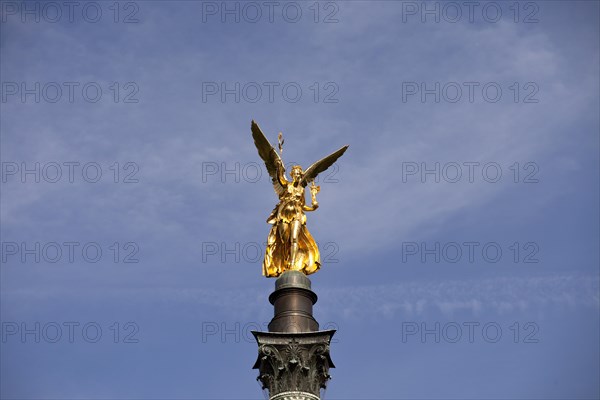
269 156
311 173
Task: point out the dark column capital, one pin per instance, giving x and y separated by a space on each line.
294 365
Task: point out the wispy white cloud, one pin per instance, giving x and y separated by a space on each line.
534 295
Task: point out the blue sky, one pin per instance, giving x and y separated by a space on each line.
135 122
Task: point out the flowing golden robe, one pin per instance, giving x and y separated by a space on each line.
278 254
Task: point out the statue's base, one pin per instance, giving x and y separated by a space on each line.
293 300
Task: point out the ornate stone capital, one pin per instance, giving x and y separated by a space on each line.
293 364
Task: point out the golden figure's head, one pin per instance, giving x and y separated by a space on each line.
296 173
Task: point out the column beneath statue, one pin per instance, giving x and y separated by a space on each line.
293 357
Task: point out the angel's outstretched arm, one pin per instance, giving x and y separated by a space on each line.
281 177
312 207
315 204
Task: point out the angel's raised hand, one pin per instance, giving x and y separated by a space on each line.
314 189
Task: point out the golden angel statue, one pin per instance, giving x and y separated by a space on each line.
290 246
